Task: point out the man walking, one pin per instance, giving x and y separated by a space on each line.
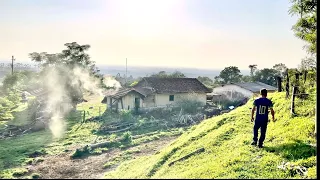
262 105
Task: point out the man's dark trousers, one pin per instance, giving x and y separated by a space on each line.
262 124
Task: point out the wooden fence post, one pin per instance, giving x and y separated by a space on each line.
287 85
279 83
84 116
315 123
294 91
305 76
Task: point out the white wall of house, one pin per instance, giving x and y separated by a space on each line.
128 101
157 100
149 101
231 91
162 100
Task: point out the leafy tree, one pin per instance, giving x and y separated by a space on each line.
74 56
308 63
266 76
206 81
246 78
177 74
306 26
280 68
18 80
163 74
228 75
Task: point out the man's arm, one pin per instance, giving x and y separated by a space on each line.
272 111
253 110
252 113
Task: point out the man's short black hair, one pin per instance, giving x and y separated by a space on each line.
263 92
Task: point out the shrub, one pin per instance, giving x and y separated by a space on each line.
125 115
190 106
35 175
19 172
29 161
109 164
81 152
126 137
38 160
113 137
15 98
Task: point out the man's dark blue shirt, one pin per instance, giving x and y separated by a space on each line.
263 105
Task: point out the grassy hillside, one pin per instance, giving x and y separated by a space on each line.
39 154
227 151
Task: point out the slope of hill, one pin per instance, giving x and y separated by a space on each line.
220 148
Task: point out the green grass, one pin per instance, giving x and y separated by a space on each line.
228 153
15 152
13 173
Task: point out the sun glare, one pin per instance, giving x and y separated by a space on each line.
146 17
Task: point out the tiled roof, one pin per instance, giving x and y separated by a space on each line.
173 85
255 86
125 91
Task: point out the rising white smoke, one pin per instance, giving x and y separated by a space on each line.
83 80
58 100
110 81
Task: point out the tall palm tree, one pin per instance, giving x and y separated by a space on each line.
252 67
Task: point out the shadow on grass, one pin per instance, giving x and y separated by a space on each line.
14 151
294 151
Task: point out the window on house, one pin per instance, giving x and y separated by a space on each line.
171 98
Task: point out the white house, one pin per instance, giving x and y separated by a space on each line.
242 90
153 92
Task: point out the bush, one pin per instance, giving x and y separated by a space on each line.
35 175
190 106
38 160
6 103
15 98
109 164
126 137
81 152
113 137
6 107
142 121
126 115
19 172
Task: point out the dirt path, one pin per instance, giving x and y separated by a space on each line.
61 166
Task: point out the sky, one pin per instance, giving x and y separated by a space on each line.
208 34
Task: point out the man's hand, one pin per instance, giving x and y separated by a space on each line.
252 119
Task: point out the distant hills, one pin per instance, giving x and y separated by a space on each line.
144 71
136 71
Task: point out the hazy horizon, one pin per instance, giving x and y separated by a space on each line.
139 71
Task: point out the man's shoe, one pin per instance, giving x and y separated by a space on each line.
254 143
260 146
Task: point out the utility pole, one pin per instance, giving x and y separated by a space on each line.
12 59
126 70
